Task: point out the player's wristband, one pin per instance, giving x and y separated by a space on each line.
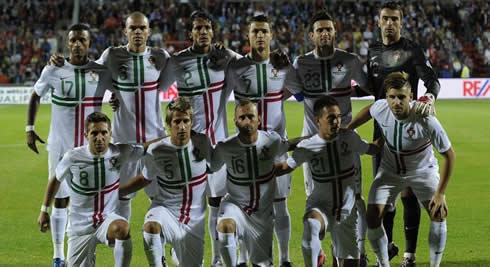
44 208
29 128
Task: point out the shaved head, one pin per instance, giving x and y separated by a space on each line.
136 15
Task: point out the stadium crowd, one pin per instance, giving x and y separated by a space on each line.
455 34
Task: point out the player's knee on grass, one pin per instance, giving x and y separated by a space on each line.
437 217
312 214
227 226
152 228
374 215
214 201
61 203
118 229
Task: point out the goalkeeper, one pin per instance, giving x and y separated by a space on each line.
394 53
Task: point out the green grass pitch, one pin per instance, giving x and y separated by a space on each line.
24 175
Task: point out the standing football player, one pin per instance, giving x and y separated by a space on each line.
396 53
76 89
408 161
259 78
200 74
328 70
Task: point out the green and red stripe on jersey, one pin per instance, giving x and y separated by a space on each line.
207 90
80 102
139 87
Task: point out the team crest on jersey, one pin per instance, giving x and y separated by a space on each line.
123 72
339 69
411 132
265 154
94 77
114 161
344 148
197 154
151 60
275 74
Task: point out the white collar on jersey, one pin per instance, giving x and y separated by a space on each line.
137 54
258 62
67 63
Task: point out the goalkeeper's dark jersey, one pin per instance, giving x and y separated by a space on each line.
404 55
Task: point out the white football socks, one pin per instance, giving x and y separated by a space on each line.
212 222
311 243
361 225
58 227
282 227
228 248
153 248
379 244
123 251
437 242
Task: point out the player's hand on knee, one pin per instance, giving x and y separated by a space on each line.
56 60
31 138
43 221
218 56
279 59
438 207
114 102
424 106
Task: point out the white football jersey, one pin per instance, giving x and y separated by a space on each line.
76 91
261 83
204 86
318 76
180 173
94 183
409 142
330 161
250 170
136 78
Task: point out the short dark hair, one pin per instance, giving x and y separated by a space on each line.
259 18
320 15
393 6
201 14
396 80
322 102
181 104
97 117
79 27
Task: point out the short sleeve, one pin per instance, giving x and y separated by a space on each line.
438 135
293 81
149 171
167 75
42 86
378 107
358 74
299 156
359 145
217 158
104 58
63 168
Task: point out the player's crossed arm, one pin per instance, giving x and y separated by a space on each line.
51 189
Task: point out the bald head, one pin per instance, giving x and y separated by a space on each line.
136 15
137 30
